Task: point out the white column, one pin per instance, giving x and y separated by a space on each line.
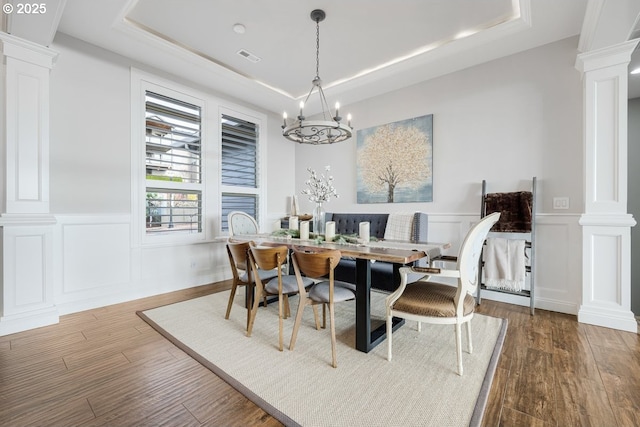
26 225
606 225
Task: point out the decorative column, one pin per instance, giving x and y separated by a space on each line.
26 226
606 225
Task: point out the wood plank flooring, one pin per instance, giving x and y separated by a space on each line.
107 367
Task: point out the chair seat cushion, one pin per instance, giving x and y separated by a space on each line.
264 274
341 292
289 284
432 300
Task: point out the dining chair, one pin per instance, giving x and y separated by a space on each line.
241 223
327 291
434 302
272 258
242 274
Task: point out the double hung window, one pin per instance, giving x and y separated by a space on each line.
195 159
173 164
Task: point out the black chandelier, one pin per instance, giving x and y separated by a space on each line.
329 129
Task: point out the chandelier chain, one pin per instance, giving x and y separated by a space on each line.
318 48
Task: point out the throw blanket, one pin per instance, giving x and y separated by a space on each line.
504 264
515 210
399 226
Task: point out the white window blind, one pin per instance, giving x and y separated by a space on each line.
173 165
239 167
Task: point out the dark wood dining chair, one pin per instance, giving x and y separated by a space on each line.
429 301
268 258
327 291
242 274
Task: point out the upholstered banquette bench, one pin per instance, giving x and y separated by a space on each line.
410 227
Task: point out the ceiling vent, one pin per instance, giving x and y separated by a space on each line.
248 55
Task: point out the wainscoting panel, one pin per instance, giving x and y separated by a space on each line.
88 265
92 261
558 258
96 263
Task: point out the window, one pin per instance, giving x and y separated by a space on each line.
239 166
195 158
173 164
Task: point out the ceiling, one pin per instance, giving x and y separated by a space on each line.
367 47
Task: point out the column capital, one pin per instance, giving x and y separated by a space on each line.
619 54
24 50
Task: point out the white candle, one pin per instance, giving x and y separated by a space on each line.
330 231
304 230
277 225
364 232
293 223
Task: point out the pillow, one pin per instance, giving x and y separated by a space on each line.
399 226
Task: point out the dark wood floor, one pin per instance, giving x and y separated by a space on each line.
108 367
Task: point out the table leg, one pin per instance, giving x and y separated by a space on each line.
363 305
367 339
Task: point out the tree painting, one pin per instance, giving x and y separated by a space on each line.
395 162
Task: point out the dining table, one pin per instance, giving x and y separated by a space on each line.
398 253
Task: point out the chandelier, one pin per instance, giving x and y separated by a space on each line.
329 129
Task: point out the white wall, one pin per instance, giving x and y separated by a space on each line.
504 121
97 259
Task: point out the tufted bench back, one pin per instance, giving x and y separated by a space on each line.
349 223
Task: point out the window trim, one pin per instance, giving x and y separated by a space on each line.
212 110
141 83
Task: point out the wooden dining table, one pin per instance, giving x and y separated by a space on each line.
395 252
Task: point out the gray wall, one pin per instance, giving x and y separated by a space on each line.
634 200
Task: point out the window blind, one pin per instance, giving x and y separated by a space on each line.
239 152
239 167
247 203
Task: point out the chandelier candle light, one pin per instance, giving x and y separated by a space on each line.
328 130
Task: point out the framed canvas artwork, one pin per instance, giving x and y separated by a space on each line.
395 162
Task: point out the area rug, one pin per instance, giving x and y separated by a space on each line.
419 387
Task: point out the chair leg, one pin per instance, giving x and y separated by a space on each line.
232 295
287 308
254 311
324 316
333 337
296 324
316 317
280 320
469 341
459 347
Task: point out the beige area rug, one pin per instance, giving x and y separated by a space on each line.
420 387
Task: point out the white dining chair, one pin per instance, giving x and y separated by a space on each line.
430 301
241 223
